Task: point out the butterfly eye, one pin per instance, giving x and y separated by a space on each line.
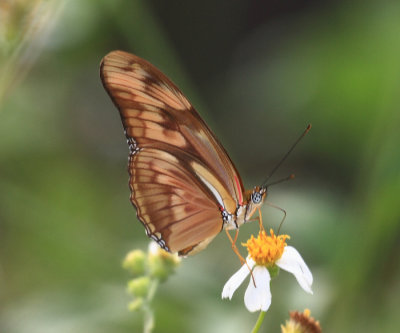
256 197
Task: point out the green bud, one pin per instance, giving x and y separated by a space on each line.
136 304
158 268
139 287
161 263
273 271
135 262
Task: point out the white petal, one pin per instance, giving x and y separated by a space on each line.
292 262
258 297
236 279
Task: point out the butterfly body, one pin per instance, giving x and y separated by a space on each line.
183 184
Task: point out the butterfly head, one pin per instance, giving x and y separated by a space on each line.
255 200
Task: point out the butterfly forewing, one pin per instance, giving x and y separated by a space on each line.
180 175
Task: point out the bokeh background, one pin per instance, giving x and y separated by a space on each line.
258 72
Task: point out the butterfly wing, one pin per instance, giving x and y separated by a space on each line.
180 175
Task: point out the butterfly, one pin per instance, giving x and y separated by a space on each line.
183 184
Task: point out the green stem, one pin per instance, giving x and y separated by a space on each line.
259 322
148 313
148 320
152 291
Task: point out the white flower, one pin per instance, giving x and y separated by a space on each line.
265 253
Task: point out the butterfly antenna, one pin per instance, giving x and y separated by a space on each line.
284 158
291 176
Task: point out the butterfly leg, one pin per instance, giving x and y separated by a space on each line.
260 221
282 210
235 249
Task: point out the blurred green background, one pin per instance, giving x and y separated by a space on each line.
258 72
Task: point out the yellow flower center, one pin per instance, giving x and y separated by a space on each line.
266 250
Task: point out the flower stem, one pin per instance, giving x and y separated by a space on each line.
148 312
148 320
259 322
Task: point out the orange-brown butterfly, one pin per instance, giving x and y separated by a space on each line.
183 184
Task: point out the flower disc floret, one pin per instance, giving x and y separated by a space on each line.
266 250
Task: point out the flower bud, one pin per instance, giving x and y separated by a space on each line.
161 263
135 262
139 287
136 304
